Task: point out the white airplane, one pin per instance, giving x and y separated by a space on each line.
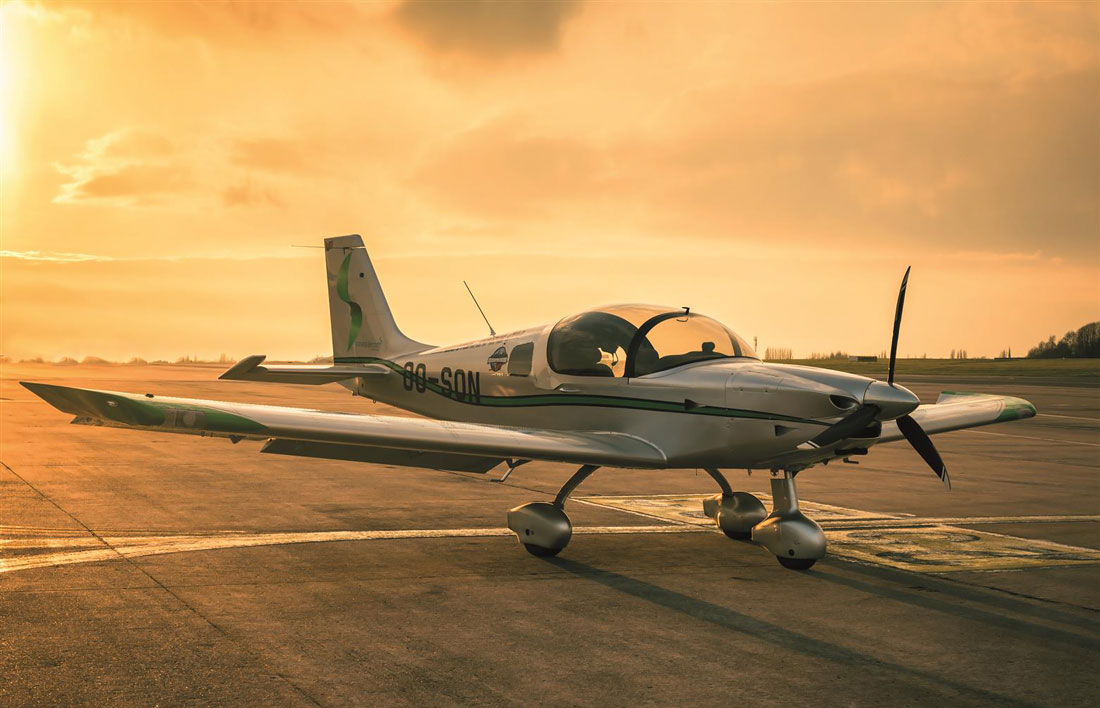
629 386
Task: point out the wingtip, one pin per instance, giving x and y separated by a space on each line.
1016 409
60 397
34 387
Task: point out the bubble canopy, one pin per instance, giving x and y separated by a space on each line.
635 340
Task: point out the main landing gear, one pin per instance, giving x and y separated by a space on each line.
795 540
733 512
543 528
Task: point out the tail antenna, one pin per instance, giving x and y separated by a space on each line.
492 332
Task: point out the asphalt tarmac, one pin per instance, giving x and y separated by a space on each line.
142 569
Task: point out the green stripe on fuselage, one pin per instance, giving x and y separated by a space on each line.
579 399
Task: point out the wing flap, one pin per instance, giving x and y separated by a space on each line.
245 420
382 455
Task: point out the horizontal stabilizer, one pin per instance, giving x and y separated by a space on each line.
250 369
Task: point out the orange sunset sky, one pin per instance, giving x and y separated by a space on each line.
775 166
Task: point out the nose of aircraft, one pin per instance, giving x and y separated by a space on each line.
893 400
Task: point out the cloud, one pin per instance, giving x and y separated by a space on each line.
135 167
222 20
980 164
986 164
131 183
486 29
505 168
270 154
53 257
247 193
61 257
840 137
131 144
125 167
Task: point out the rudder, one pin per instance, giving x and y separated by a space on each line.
362 324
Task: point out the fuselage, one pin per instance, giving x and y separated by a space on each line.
726 411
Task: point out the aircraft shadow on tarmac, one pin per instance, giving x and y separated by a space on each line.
887 587
947 595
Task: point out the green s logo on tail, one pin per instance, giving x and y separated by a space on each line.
342 292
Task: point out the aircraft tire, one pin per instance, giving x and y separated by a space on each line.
796 563
540 551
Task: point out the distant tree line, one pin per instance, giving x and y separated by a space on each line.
778 354
1084 343
829 355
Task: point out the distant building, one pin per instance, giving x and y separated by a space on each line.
858 357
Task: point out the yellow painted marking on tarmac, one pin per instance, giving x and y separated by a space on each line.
1070 417
688 508
942 549
915 522
88 549
1030 437
909 543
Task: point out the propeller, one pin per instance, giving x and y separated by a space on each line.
846 427
908 425
897 325
920 441
886 402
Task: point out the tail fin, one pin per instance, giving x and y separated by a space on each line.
362 324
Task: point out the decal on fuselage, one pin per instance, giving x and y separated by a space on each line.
456 384
498 358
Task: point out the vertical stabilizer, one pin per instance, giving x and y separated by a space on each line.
362 324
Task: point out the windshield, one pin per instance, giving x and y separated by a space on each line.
635 340
677 340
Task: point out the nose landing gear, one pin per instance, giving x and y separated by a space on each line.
795 540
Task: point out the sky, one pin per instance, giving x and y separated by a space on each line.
776 166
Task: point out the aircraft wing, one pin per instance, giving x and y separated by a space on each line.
951 411
955 411
389 439
252 369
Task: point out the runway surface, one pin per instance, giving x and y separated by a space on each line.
141 569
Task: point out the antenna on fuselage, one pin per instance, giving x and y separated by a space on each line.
492 332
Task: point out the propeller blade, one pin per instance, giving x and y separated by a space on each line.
844 428
897 325
920 441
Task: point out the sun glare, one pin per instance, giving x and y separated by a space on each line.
9 63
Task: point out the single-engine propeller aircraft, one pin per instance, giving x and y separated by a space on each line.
631 386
